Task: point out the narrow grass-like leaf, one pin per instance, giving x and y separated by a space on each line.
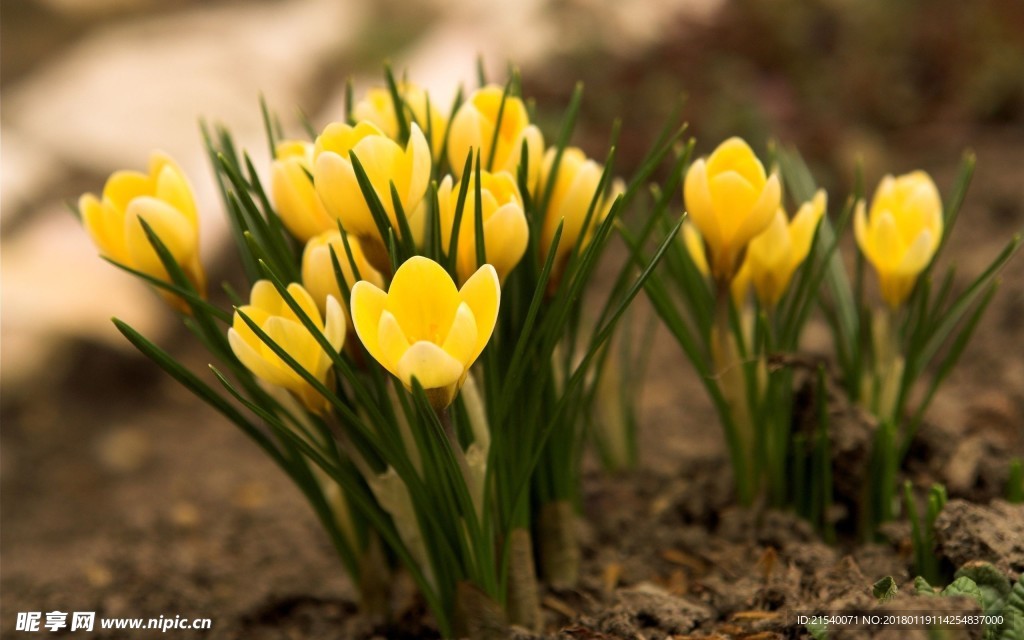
377 211
568 124
497 125
398 103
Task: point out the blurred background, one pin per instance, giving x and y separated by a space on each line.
123 494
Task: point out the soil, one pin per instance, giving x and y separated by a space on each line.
126 496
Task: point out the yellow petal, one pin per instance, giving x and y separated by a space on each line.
172 187
124 186
338 189
424 299
367 305
384 163
699 205
733 199
334 325
252 360
296 200
297 343
318 270
694 244
305 302
918 255
482 293
254 313
105 226
534 140
772 247
264 296
417 155
393 343
736 155
804 225
507 235
446 200
465 136
174 230
462 338
431 365
861 231
759 216
885 242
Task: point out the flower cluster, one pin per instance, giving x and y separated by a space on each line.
415 353
377 259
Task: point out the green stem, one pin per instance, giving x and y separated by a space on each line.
732 381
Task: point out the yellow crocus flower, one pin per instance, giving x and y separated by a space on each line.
385 163
774 255
163 198
423 327
318 269
505 230
293 193
378 107
901 233
575 187
472 128
730 200
268 309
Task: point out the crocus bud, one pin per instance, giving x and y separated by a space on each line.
473 128
385 163
730 200
271 313
378 107
774 256
575 188
163 198
505 230
423 327
318 275
901 233
292 191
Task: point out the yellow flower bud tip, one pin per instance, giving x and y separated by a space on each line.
694 244
574 190
164 199
385 163
473 126
378 107
423 327
774 255
293 194
730 200
318 275
271 313
505 229
901 233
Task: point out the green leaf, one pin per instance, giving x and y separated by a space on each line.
191 382
885 589
497 125
1015 485
377 211
992 583
964 587
568 124
460 207
398 103
922 588
818 630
